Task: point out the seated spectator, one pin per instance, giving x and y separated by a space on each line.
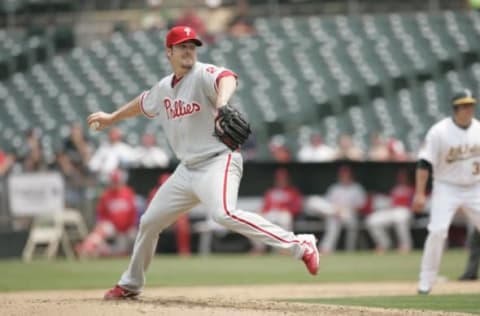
316 151
379 150
7 160
76 150
111 155
339 207
115 228
391 149
396 150
182 225
149 154
72 160
396 213
241 24
279 150
281 204
30 154
347 149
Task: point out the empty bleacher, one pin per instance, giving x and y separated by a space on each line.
388 73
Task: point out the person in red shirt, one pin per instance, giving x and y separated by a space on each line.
281 204
396 213
115 230
7 161
182 225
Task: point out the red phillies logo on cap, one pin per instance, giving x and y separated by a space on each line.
180 34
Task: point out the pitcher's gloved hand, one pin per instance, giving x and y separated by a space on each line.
231 128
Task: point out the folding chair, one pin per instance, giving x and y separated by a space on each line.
62 228
47 231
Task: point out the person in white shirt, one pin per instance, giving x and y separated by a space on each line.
347 149
451 154
111 155
149 154
339 207
396 213
316 151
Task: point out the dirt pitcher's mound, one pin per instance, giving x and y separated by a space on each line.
216 300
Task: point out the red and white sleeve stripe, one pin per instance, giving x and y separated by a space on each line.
142 108
225 73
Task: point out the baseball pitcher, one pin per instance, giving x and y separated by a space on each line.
204 132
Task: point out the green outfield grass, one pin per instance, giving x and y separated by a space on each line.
221 270
446 303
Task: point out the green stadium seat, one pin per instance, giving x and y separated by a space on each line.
334 74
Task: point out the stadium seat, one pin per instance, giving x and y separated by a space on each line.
316 70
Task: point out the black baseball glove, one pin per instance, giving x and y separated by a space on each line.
230 127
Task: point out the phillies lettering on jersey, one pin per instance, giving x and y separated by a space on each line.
454 152
179 108
186 108
208 172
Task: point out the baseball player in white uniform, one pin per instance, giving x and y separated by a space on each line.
186 103
451 152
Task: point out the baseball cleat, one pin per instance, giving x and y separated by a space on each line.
119 293
423 292
310 257
423 289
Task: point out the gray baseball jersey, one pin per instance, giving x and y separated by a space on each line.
186 111
209 173
454 152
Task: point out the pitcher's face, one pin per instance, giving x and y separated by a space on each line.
183 56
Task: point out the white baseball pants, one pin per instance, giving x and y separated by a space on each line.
446 200
378 222
215 183
333 228
336 217
284 219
